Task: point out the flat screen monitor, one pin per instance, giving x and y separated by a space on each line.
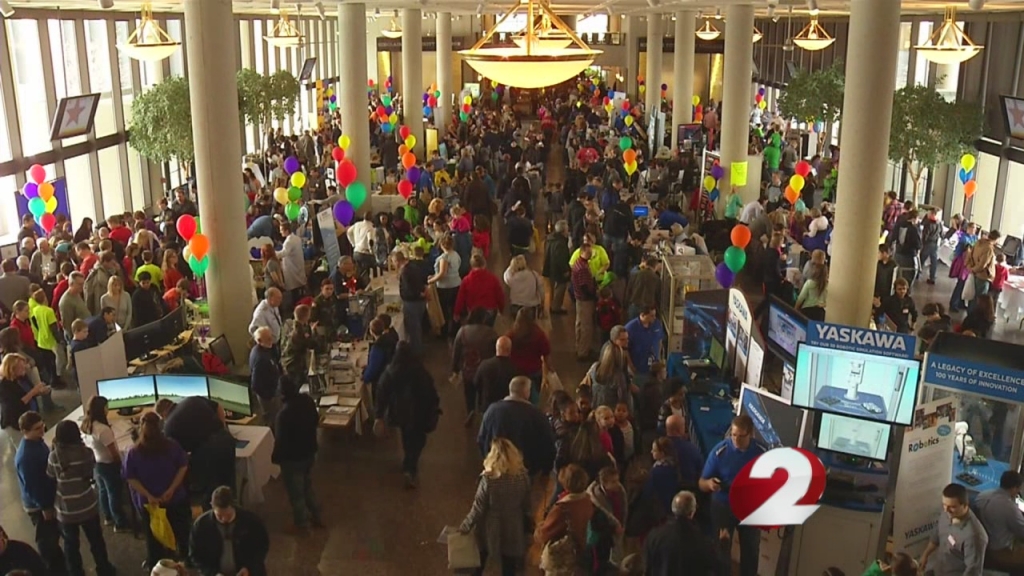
232 396
307 70
856 384
786 328
173 323
75 116
717 355
129 392
177 387
776 423
641 211
853 436
142 340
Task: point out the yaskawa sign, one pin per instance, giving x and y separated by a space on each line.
853 339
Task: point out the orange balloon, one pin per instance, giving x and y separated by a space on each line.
199 245
402 150
740 235
969 189
629 156
408 160
46 191
792 195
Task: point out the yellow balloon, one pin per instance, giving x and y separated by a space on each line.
630 168
393 118
281 195
762 104
709 183
696 100
608 108
967 162
796 182
51 204
467 100
344 142
410 141
643 88
298 179
628 120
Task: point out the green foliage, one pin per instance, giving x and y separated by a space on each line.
814 96
263 98
928 131
161 126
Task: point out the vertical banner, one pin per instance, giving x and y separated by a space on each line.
740 321
325 219
927 452
321 105
755 363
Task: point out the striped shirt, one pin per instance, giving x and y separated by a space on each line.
72 466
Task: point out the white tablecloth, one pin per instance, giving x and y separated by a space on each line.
253 468
386 202
1011 301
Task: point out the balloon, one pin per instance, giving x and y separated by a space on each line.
402 149
381 112
709 183
796 182
724 276
291 165
740 235
292 211
642 88
199 267
630 168
762 105
965 176
714 195
803 168
967 162
758 98
281 195
494 96
629 156
31 190
186 225
369 82
463 116
298 180
408 160
970 188
385 128
344 142
437 93
427 111
410 141
664 86
37 206
338 154
735 258
37 173
404 132
405 189
343 212
628 120
45 191
625 105
717 172
51 205
696 100
413 175
466 108
432 101
386 100
48 221
294 193
467 100
393 118
761 90
356 194
625 143
346 173
791 195
199 245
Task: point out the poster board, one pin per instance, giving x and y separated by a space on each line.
737 338
325 219
101 362
755 364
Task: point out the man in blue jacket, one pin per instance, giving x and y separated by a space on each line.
38 490
523 424
646 333
265 370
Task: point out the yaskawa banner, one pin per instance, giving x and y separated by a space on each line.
862 340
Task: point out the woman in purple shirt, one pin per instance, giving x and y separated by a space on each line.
155 469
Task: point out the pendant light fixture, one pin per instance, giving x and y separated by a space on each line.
148 42
394 31
708 31
813 37
548 37
284 33
757 35
949 44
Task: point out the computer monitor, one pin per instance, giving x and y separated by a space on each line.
126 394
786 328
853 436
232 396
177 387
173 324
776 423
717 354
641 211
307 69
142 340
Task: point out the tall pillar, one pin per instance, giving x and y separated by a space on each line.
872 48
682 72
412 76
652 78
632 33
739 62
443 113
215 115
351 59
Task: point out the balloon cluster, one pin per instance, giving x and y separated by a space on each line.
332 99
41 201
698 111
797 181
664 91
197 251
497 91
773 152
628 154
761 103
968 175
467 107
735 256
355 192
430 100
385 113
412 173
711 181
289 197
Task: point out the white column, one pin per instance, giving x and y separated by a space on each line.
631 29
652 78
872 48
682 72
412 76
352 90
739 61
215 130
443 113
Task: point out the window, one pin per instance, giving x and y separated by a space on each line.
136 179
178 58
110 181
67 78
5 141
596 24
27 61
97 46
78 172
903 57
920 63
260 43
513 25
8 213
124 72
980 209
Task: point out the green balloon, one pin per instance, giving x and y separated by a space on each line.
292 211
294 193
463 116
198 266
494 96
37 206
437 93
625 143
356 194
735 258
386 100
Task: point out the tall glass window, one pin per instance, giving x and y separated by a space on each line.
903 57
78 172
920 63
124 72
8 213
178 58
5 140
596 24
136 179
513 25
110 181
97 46
27 61
259 42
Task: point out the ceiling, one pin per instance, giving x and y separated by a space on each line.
827 7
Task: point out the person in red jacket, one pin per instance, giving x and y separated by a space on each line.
480 289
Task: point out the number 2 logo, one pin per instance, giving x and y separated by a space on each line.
778 488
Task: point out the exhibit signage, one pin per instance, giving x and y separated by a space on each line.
927 448
974 378
325 218
755 363
740 320
862 340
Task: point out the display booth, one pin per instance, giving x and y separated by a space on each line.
784 328
737 334
681 276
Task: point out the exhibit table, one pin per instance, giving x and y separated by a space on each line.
1011 301
336 385
709 418
386 202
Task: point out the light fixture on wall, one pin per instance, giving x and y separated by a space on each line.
284 33
708 31
6 10
149 42
106 4
949 44
813 37
757 35
530 65
320 10
393 32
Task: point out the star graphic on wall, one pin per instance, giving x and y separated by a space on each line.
73 113
1016 112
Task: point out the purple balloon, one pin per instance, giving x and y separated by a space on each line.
425 98
291 165
664 86
413 175
388 110
717 172
31 190
343 212
724 276
761 91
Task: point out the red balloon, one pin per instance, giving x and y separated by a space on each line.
405 189
369 82
186 226
404 132
381 111
338 154
625 105
346 172
466 108
803 168
48 221
432 101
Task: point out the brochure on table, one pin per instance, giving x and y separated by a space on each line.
737 338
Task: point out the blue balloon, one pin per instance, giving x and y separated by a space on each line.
611 93
386 128
427 110
966 176
714 195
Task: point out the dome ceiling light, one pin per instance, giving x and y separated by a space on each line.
757 35
149 42
813 37
284 33
949 44
708 31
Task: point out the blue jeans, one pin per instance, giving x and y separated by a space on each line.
750 537
930 254
412 321
109 488
298 481
73 543
956 300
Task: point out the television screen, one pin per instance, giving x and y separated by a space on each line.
75 116
233 397
307 70
1013 116
853 436
145 338
717 353
785 328
177 387
129 392
173 323
775 422
641 211
856 384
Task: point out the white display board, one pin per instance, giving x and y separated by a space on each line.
755 363
738 332
325 218
100 363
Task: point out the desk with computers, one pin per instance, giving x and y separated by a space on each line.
157 340
129 395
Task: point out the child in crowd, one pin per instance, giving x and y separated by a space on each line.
174 297
1002 273
902 564
584 400
900 307
460 220
605 419
482 234
79 341
423 239
672 406
625 437
609 312
934 315
609 519
558 398
654 392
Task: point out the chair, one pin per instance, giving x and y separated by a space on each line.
219 347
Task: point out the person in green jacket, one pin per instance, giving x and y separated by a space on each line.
902 565
412 212
733 205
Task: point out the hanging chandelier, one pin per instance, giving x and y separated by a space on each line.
708 31
393 32
813 37
284 34
757 35
949 44
148 42
532 63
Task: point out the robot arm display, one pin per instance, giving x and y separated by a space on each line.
964 443
854 379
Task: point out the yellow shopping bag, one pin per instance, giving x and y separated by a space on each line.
161 526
